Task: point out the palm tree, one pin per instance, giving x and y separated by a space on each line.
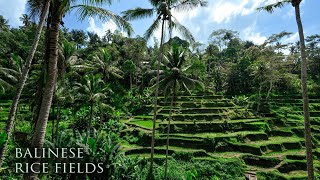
304 78
3 23
130 68
9 75
67 59
79 37
61 95
94 39
90 92
58 9
103 64
174 78
162 10
23 78
25 18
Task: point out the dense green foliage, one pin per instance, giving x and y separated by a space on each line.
104 81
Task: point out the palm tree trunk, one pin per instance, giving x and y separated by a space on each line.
52 125
15 122
130 80
170 115
58 120
89 123
150 175
40 129
269 90
23 79
44 69
168 128
304 66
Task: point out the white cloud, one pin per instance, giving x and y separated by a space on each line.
101 30
255 37
12 10
223 11
292 38
289 14
220 11
186 15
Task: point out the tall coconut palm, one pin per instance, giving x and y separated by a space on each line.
9 75
67 58
59 8
103 64
4 24
162 11
79 37
90 92
304 78
173 79
25 19
23 78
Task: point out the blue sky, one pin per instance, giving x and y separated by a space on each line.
239 15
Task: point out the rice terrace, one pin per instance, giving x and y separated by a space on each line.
160 89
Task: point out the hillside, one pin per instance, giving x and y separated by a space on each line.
207 126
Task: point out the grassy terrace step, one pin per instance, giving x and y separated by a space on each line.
190 104
198 110
277 132
144 117
172 150
250 135
292 165
295 96
208 144
294 100
197 117
275 144
260 161
190 98
144 124
5 105
221 126
312 113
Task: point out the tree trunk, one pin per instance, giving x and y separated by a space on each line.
44 69
150 175
23 78
38 95
52 128
269 90
89 123
15 122
306 114
40 129
172 100
172 105
130 80
58 120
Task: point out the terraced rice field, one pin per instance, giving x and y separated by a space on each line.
212 127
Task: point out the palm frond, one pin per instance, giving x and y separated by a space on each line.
137 13
154 3
270 8
155 25
97 2
4 84
185 5
34 8
183 30
85 11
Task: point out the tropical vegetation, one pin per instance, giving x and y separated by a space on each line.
175 109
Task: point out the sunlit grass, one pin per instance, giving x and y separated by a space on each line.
146 124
